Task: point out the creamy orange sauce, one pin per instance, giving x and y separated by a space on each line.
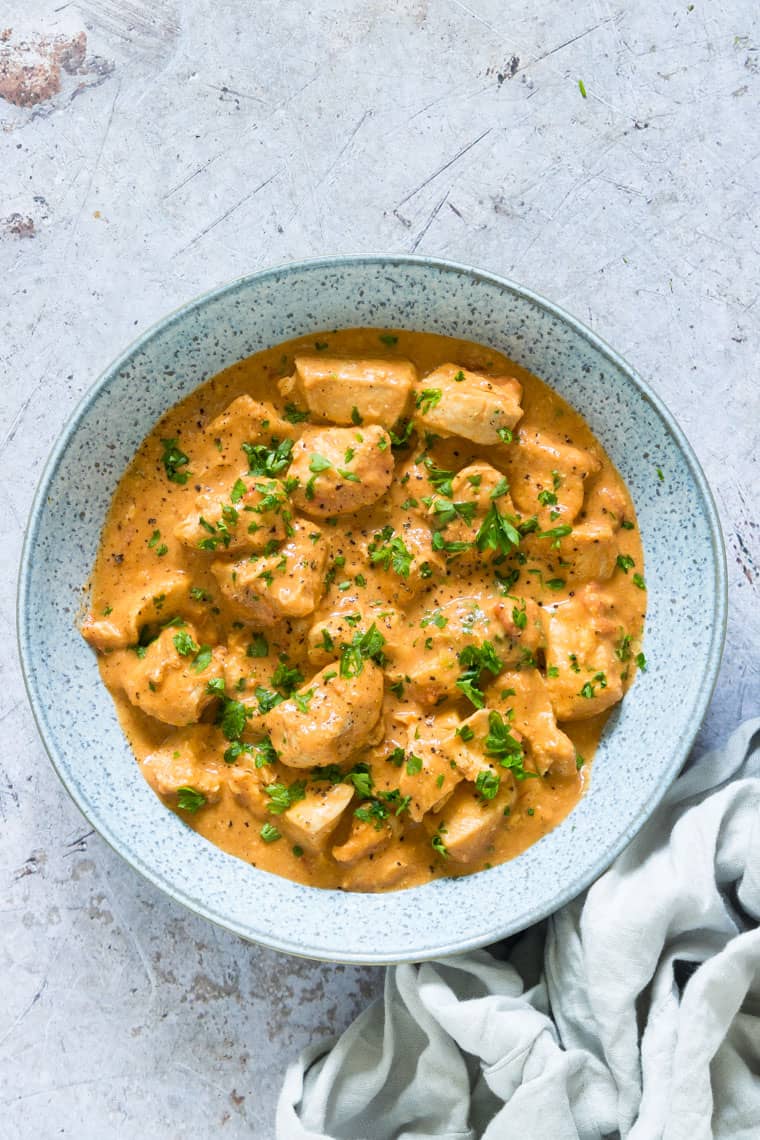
339 609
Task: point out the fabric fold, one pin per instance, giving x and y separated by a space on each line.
643 1023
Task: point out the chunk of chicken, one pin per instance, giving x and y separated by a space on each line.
426 658
365 840
346 391
394 868
583 671
340 626
247 786
312 820
246 420
154 600
458 516
469 824
590 551
523 624
168 681
341 470
454 401
606 503
256 513
525 693
288 583
465 745
328 720
542 464
404 559
182 761
429 775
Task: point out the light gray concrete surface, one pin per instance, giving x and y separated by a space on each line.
194 142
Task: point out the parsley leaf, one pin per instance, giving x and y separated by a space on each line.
270 461
428 399
283 796
184 643
173 458
189 799
497 532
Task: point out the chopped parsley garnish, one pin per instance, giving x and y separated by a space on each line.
439 846
190 799
556 584
294 415
283 796
259 646
501 488
552 671
625 562
497 532
372 811
464 732
232 719
639 581
547 498
626 524
270 461
587 691
623 648
366 646
439 477
488 784
173 458
303 700
400 437
237 492
519 616
459 376
267 700
505 435
413 764
361 778
317 464
641 661
199 595
390 552
356 417
202 659
475 660
287 678
269 833
555 533
435 618
582 88
428 399
443 544
184 643
504 747
445 511
389 339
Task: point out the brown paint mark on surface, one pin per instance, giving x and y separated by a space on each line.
19 225
31 69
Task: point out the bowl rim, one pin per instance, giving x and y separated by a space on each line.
704 690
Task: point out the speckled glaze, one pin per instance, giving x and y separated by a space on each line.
646 740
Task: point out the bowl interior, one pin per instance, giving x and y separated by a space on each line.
646 740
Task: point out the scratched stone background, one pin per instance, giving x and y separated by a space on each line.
152 150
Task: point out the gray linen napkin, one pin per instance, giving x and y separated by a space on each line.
644 1020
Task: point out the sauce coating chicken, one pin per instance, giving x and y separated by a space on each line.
363 604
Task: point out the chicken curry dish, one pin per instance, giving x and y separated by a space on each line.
364 601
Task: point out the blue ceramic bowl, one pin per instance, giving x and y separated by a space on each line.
646 740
